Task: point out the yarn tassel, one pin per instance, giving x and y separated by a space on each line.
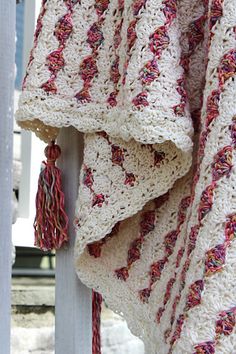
51 221
96 322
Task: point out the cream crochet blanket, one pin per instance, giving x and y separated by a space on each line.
156 214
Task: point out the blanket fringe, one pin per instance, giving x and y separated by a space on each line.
51 221
96 322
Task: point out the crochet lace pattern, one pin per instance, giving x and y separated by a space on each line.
156 214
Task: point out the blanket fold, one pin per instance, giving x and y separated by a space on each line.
155 216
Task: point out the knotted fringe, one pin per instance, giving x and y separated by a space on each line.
96 322
51 221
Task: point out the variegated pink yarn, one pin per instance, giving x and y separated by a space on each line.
51 221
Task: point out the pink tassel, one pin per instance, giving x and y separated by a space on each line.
51 221
96 322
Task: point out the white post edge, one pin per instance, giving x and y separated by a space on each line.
7 68
73 326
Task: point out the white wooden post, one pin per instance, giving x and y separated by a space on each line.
7 63
73 299
31 146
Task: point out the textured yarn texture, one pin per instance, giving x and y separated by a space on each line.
152 85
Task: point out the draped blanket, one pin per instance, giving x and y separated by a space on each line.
152 85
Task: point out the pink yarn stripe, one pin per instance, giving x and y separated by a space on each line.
168 244
88 66
95 248
114 71
55 60
215 257
147 224
226 70
225 324
159 41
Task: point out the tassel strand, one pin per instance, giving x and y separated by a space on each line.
96 322
51 221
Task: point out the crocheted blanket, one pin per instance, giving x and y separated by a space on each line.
156 213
